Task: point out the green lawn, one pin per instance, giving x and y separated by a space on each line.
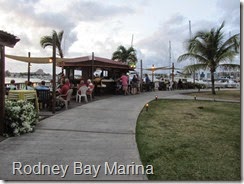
222 94
190 140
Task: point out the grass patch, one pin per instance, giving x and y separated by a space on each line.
227 94
190 140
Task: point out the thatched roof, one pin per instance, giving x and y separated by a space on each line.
7 39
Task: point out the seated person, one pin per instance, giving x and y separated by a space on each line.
29 86
97 80
64 89
90 87
42 86
81 84
12 85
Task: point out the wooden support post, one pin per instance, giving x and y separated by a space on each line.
54 74
29 65
141 76
2 89
92 70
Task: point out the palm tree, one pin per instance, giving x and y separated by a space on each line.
48 41
124 55
211 51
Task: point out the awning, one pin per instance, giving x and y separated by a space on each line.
35 60
158 68
161 68
72 62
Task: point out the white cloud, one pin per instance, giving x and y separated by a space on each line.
101 26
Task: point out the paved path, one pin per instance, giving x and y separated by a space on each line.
93 134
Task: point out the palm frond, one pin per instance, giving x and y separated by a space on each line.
48 41
124 55
192 57
195 67
231 43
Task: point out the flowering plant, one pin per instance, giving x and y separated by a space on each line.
20 117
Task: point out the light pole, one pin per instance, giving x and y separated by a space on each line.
29 66
153 68
173 71
141 81
194 72
54 74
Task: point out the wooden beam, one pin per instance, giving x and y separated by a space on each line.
2 90
8 40
54 75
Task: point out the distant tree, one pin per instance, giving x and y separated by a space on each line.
211 51
7 73
125 55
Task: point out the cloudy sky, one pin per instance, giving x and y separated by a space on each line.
101 26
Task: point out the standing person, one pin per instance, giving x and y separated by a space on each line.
124 80
179 85
51 85
138 88
97 82
147 80
134 85
171 83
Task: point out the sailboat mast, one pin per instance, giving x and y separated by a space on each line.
132 40
193 63
169 56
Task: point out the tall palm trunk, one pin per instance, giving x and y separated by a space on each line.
212 81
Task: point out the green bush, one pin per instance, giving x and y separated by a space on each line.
200 86
20 117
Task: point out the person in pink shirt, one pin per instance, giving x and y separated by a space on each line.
90 87
124 80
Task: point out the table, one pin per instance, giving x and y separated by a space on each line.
24 95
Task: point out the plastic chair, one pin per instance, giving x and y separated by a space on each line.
68 97
82 91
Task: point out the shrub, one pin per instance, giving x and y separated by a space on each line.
20 117
200 86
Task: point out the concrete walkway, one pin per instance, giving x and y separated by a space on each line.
97 133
